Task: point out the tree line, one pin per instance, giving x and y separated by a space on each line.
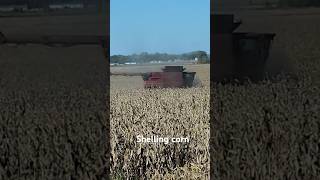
145 57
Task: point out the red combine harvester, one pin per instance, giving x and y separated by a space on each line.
170 77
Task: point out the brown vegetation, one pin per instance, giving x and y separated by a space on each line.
164 113
270 130
52 113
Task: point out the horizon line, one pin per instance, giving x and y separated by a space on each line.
158 53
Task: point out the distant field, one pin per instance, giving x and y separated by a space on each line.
45 25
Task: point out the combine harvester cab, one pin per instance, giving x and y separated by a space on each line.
237 55
170 77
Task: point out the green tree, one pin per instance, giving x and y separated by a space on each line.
200 55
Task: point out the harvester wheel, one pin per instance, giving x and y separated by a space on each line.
145 76
197 82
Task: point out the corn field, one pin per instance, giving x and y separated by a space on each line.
270 130
163 113
52 114
54 119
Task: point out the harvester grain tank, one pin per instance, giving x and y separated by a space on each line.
237 55
170 77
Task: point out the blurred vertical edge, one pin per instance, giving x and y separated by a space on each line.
54 99
211 140
108 152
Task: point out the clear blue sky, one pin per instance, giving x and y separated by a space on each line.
164 26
